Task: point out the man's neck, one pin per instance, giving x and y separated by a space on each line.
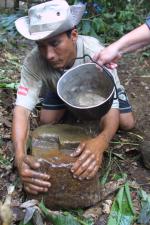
72 61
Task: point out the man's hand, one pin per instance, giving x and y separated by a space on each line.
90 154
34 182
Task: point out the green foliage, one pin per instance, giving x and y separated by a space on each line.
106 20
109 20
1 142
29 223
64 218
9 86
4 161
146 54
104 177
122 212
7 26
144 217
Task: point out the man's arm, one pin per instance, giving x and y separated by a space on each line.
33 181
20 131
90 152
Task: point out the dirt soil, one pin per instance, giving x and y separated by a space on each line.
134 72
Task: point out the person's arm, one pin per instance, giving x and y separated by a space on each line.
132 41
33 181
20 130
135 39
91 151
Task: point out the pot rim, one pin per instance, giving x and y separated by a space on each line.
81 107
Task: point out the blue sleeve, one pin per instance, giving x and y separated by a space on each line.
148 21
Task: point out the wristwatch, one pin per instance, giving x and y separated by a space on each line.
148 21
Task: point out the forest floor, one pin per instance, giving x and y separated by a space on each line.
134 73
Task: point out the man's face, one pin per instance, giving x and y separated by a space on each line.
60 50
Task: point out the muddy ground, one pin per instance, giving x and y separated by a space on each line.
134 73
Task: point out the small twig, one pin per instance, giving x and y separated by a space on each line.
144 76
144 184
118 166
118 156
123 143
108 169
91 17
137 135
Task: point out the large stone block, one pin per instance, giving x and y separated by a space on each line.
52 145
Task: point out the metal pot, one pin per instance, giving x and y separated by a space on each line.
87 90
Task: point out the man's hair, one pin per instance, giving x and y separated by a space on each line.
68 32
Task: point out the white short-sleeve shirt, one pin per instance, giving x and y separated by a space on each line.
36 71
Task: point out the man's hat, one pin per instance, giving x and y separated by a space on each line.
49 19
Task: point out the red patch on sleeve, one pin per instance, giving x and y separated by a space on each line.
22 90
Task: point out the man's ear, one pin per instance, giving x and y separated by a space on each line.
74 35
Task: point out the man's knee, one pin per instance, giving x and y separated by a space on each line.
127 121
51 116
45 120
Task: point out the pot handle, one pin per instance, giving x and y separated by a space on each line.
104 69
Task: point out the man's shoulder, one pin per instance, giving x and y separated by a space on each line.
35 66
91 44
33 55
35 62
90 39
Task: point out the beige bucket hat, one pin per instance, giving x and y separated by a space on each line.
49 19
